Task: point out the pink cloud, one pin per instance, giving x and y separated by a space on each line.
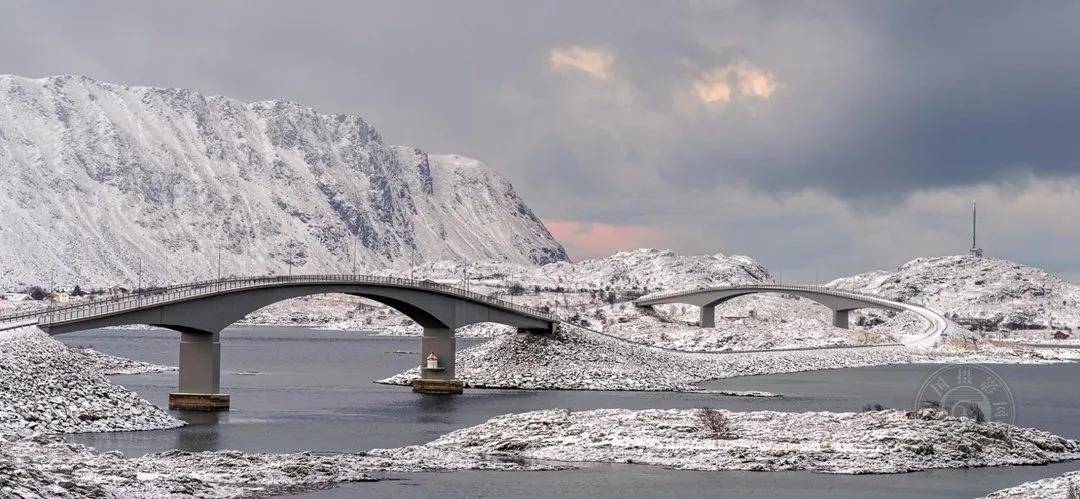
584 239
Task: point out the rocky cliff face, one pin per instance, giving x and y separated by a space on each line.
101 183
978 292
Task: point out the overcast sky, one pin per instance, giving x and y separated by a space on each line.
822 138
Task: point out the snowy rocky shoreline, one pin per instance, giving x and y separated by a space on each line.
579 359
827 442
41 466
1065 486
50 388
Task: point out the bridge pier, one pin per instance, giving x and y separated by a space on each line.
439 380
840 318
708 316
200 373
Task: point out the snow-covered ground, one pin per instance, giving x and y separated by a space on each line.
977 292
869 442
1066 486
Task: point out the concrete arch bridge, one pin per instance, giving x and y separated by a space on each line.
200 311
840 302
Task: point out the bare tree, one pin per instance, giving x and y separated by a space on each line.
716 423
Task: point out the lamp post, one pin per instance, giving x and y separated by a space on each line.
138 297
354 256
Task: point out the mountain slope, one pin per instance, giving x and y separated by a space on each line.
101 183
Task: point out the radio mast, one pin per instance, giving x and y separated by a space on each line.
975 249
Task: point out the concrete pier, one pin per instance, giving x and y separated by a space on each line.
438 380
708 316
200 373
840 318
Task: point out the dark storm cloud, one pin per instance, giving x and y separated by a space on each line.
873 101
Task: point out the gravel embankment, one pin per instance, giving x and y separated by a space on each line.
49 388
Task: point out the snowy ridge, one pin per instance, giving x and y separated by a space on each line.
106 182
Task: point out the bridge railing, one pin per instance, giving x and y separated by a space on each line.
206 288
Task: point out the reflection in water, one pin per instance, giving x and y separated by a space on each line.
205 440
434 409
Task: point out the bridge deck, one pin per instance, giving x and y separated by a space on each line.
202 289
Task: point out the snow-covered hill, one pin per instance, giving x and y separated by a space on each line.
100 183
978 292
643 270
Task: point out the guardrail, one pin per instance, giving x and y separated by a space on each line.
182 292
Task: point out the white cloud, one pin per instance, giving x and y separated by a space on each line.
709 90
594 62
719 84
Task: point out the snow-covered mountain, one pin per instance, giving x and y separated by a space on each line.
100 183
979 292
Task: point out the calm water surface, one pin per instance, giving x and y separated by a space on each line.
312 390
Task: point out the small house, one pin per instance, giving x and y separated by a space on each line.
1061 335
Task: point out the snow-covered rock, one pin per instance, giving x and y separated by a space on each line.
42 466
1066 486
111 364
105 182
578 359
976 292
47 387
868 442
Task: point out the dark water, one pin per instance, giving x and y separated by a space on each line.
313 391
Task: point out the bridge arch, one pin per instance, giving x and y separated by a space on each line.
200 311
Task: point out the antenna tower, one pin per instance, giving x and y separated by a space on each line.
975 249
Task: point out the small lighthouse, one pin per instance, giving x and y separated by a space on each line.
432 361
